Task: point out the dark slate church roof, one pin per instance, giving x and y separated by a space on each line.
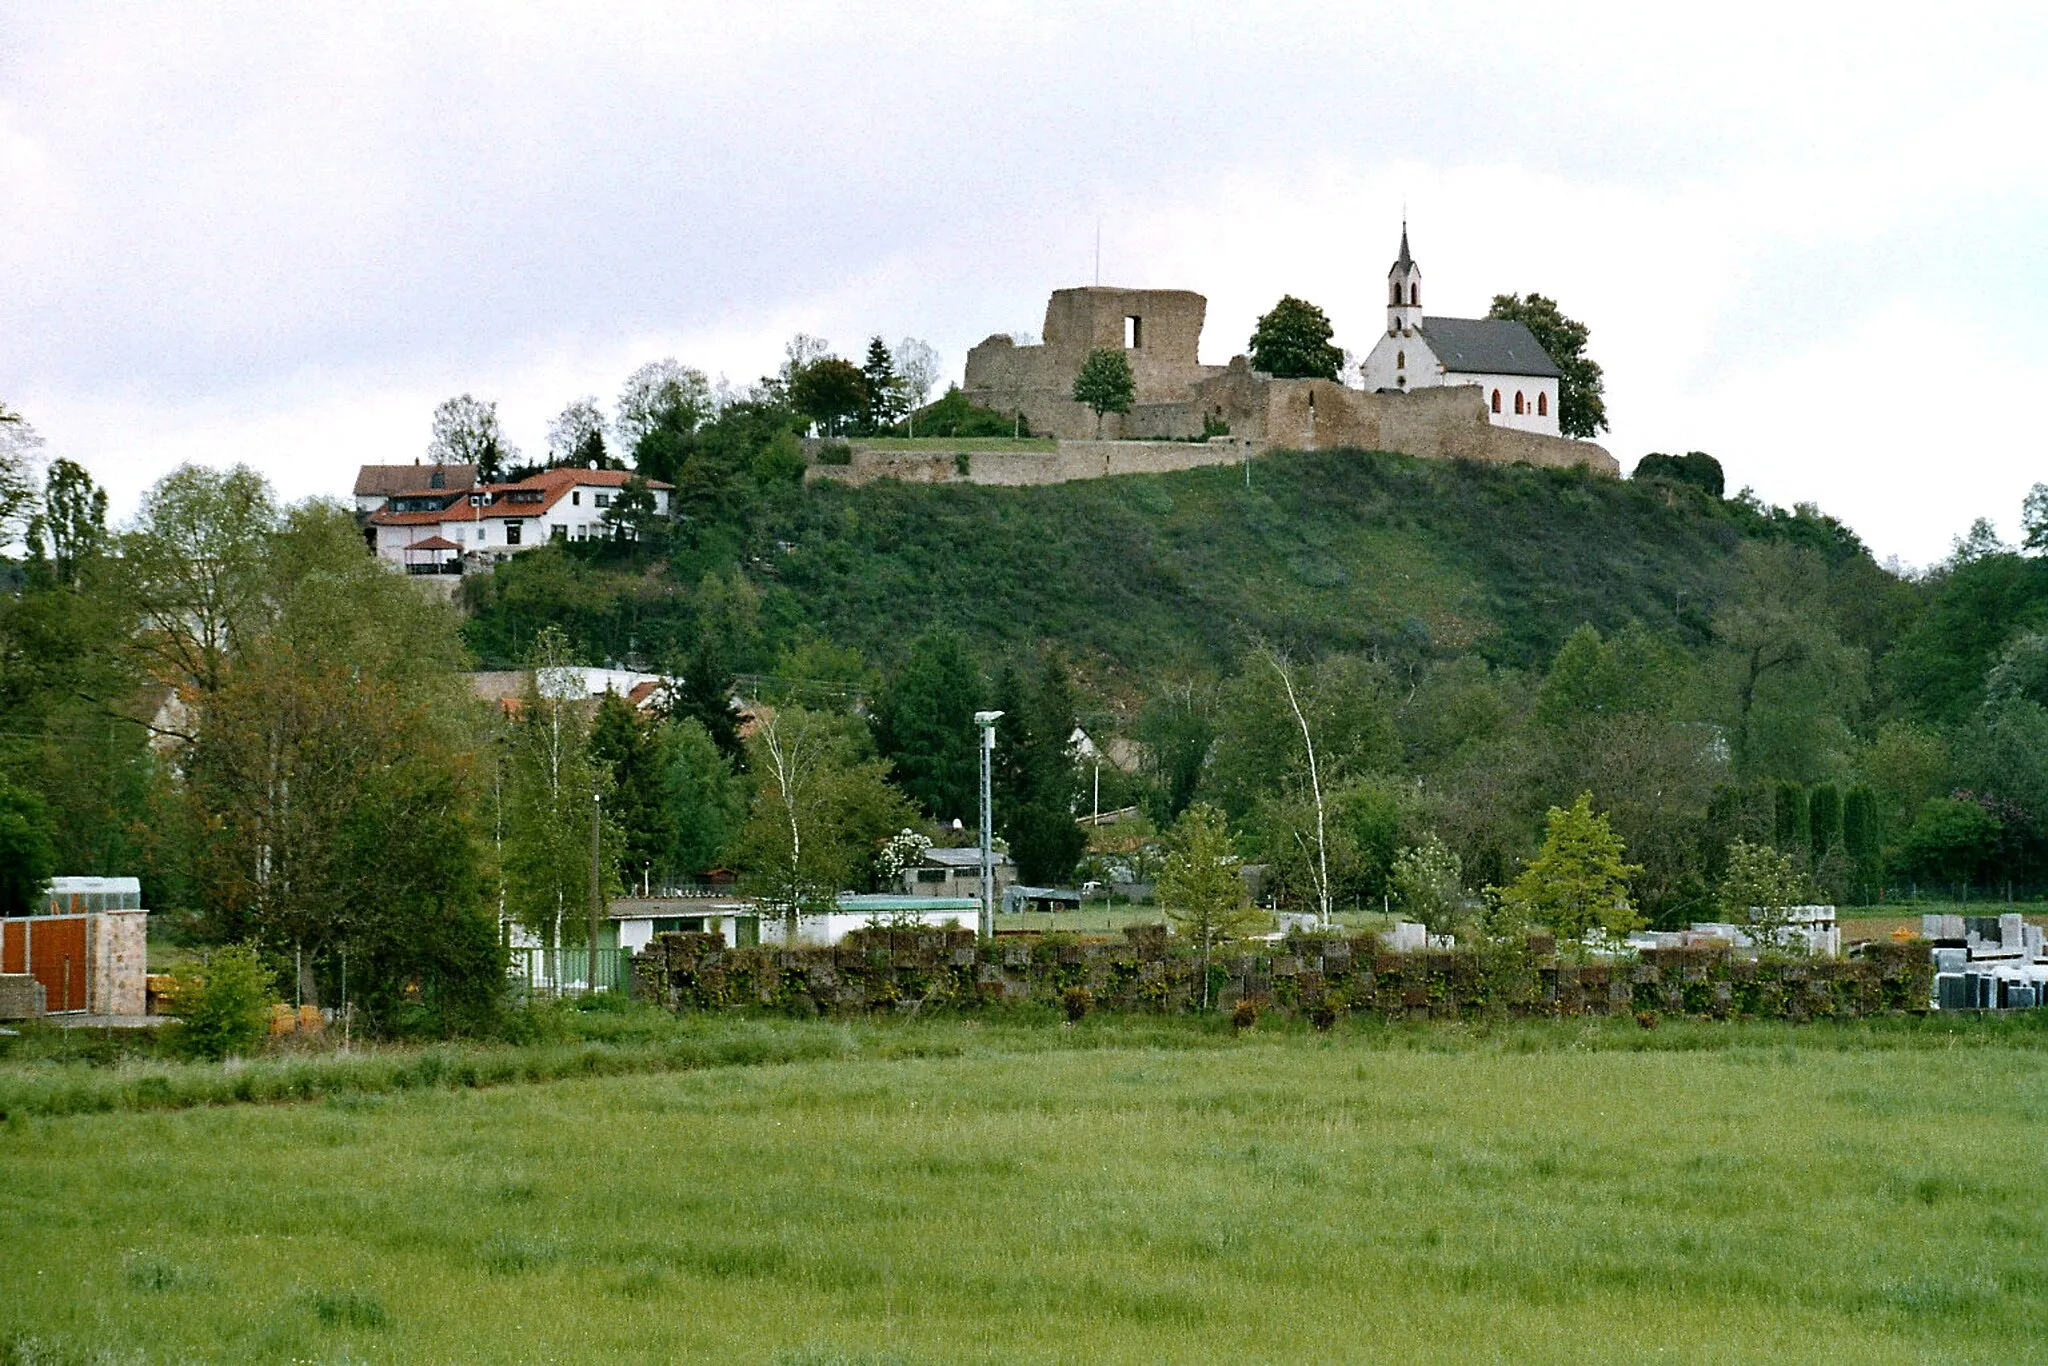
1487 346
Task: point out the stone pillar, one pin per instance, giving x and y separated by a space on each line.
117 945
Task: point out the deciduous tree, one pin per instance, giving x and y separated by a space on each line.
1200 886
466 432
1578 881
1105 383
661 393
1293 342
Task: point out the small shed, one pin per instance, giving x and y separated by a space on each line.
857 911
955 873
86 945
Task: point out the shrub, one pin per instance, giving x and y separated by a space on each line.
226 1009
1076 1001
835 453
1244 1015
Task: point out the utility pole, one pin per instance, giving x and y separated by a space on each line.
596 893
987 721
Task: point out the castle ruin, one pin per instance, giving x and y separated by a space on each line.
1179 398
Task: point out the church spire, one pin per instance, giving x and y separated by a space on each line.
1404 289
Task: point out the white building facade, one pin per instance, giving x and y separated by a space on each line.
1517 378
423 533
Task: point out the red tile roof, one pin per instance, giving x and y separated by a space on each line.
551 484
434 543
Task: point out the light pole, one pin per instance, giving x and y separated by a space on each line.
987 721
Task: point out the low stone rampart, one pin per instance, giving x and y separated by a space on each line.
1319 977
1069 460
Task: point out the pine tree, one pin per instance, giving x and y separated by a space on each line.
924 725
632 752
882 400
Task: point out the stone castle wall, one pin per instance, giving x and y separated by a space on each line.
1177 397
1068 461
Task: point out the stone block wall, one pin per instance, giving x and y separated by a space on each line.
21 996
1320 977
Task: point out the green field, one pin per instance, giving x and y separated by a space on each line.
1120 1191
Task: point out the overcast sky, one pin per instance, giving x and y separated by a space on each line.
1808 242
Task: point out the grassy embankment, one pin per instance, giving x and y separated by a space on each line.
1122 1191
1330 550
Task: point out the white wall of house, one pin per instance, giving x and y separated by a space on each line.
578 515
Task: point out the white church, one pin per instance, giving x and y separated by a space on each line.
1515 374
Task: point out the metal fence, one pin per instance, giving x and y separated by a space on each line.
566 972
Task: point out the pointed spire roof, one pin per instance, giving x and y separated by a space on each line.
1403 262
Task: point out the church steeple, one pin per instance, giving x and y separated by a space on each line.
1404 290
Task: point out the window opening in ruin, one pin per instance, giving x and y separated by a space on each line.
1496 400
1134 332
1543 405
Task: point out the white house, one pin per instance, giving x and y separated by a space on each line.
437 530
1515 375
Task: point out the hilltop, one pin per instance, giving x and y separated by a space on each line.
1325 551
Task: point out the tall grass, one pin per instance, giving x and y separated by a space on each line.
1099 1194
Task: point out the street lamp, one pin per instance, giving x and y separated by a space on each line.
987 721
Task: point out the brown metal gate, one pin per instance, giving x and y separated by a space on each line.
52 947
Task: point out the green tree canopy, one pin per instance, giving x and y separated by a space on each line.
1949 839
924 726
1581 402
1200 886
1696 468
1578 881
1105 383
28 854
882 389
1036 779
465 432
1759 889
1293 342
632 751
830 392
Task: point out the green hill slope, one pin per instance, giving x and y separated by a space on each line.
1338 550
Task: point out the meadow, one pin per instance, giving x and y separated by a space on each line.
1122 1190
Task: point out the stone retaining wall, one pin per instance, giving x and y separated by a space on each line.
1320 977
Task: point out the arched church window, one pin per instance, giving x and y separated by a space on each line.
1543 405
1400 360
1518 403
1496 400
1414 295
